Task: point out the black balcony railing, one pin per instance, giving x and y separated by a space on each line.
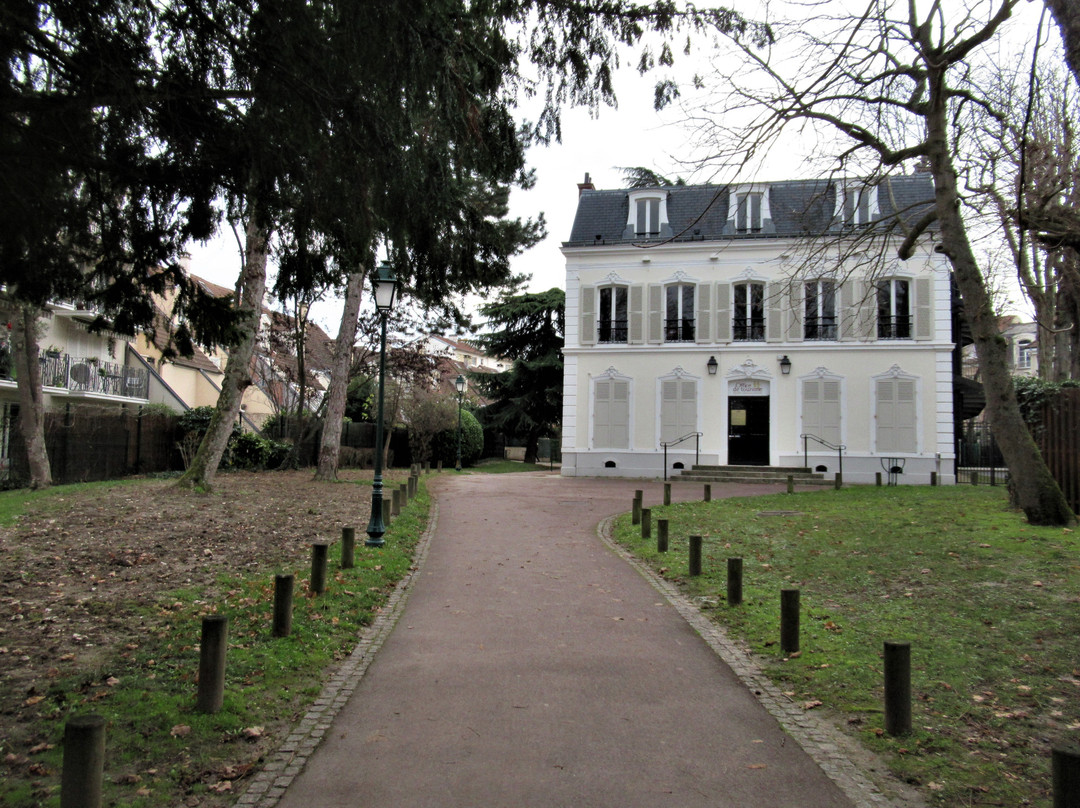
749 328
681 330
82 375
820 328
613 331
898 327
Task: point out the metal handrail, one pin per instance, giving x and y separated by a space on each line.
840 449
677 441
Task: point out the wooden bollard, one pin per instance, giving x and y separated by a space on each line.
838 481
283 600
708 492
404 489
646 523
661 535
791 483
933 478
386 515
348 548
667 493
974 478
695 555
318 567
635 518
877 479
395 502
1065 769
734 581
414 486
897 688
438 469
212 645
84 762
789 621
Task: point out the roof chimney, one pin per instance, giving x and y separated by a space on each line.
585 186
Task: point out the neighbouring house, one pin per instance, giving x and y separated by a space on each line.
78 369
195 381
464 355
725 313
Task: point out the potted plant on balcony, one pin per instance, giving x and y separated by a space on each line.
52 352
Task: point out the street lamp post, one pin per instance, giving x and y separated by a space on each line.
385 287
459 384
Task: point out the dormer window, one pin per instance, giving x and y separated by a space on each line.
648 216
748 209
856 204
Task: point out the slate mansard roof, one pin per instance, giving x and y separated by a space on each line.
700 212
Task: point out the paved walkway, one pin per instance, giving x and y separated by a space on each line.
533 666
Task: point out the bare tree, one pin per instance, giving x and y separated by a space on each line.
890 86
1026 160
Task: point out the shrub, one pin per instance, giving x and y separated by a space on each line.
158 409
250 451
444 446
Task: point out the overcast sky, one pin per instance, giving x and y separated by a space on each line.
631 135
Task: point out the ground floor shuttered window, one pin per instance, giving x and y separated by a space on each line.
821 409
678 408
611 414
896 415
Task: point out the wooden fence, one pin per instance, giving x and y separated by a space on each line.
1058 436
89 443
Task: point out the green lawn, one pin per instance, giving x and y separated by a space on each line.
988 603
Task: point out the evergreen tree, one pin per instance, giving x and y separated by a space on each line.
527 399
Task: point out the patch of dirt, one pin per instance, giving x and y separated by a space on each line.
72 569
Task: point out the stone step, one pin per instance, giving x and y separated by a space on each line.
752 474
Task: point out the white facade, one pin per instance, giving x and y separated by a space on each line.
868 360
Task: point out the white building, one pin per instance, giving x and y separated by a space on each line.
696 309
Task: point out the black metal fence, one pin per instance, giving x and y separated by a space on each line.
978 458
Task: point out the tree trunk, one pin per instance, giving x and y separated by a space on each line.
1037 493
238 369
330 447
1067 14
24 349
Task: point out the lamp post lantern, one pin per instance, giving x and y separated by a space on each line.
459 384
385 286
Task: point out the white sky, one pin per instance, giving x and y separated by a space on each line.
631 135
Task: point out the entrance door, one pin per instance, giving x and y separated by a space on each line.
748 430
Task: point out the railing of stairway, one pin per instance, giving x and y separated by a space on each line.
839 451
697 447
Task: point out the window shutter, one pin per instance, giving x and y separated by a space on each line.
703 313
602 414
637 315
656 313
588 315
924 309
774 316
848 311
723 312
795 312
830 410
811 407
669 410
687 408
620 415
896 415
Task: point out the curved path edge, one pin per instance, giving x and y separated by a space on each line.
281 768
825 744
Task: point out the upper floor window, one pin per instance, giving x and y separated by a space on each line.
679 313
612 326
856 204
894 309
748 212
648 217
1025 354
748 322
820 310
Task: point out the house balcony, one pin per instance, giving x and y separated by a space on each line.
81 377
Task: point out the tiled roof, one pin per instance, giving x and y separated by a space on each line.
700 212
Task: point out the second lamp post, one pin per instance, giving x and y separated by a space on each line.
459 385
